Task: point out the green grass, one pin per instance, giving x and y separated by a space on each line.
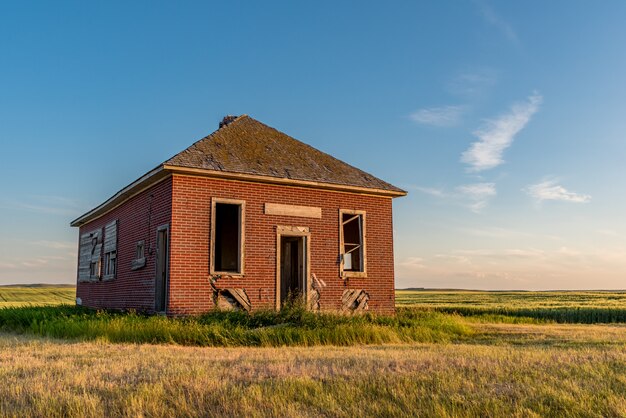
589 307
14 296
290 327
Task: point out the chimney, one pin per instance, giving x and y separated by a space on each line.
227 119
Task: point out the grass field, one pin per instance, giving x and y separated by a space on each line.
564 307
511 300
487 360
14 296
540 371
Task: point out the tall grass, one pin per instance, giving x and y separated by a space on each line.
294 326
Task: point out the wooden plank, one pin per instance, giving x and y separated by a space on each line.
110 237
86 257
355 300
314 299
138 263
241 297
349 297
361 301
293 210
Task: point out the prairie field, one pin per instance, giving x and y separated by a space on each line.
69 362
14 296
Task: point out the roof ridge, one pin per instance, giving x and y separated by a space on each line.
249 146
208 136
316 149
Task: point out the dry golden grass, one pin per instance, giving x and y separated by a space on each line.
515 370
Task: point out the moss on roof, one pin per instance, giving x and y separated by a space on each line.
248 146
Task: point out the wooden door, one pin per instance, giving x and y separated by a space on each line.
292 268
161 283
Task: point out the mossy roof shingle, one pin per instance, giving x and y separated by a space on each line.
247 146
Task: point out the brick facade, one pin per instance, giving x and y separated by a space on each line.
138 219
184 202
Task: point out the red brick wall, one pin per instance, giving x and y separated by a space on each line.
130 289
190 291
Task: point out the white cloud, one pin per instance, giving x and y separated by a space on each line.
498 134
472 82
56 245
496 20
4 265
413 262
475 196
551 190
430 191
438 116
478 194
53 205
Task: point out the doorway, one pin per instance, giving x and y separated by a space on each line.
161 285
292 268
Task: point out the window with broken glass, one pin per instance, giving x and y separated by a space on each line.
352 243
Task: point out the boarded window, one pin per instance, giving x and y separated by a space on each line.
110 251
90 256
352 242
227 237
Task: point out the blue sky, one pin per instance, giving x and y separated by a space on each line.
504 120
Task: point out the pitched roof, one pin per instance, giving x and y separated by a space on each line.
247 146
244 148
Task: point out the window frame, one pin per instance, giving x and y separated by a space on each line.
140 244
350 273
139 262
109 258
242 237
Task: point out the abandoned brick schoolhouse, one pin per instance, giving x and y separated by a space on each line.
245 218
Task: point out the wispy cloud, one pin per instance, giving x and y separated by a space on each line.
549 189
433 191
443 116
494 19
474 196
498 134
413 262
478 194
472 82
56 245
53 205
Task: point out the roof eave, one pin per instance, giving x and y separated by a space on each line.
163 171
150 178
202 172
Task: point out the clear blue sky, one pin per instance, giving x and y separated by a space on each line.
504 120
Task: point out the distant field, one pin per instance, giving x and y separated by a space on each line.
584 307
511 300
15 296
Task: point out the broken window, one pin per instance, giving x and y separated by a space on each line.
110 251
352 242
227 236
89 257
